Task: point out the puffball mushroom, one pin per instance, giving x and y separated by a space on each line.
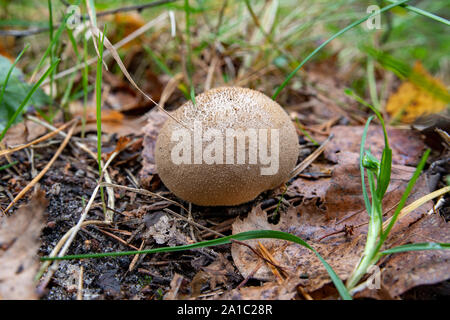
233 144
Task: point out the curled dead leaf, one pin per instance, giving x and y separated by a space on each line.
156 119
19 243
268 291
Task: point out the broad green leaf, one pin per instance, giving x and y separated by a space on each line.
9 121
15 93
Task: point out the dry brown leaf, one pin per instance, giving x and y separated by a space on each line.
311 188
19 243
344 194
125 23
268 291
7 46
214 274
23 132
407 145
121 144
318 221
113 122
175 285
297 260
123 100
156 119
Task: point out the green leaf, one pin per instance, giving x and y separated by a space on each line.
248 235
361 166
371 162
15 92
404 197
404 71
21 108
384 176
418 247
424 13
5 66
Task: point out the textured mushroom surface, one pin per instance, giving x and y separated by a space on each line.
229 182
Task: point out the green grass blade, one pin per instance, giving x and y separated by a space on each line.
372 83
56 37
94 14
404 71
189 66
52 51
98 99
85 82
159 62
8 165
248 235
300 127
404 197
164 68
361 167
28 97
424 13
384 177
352 94
10 71
66 96
337 34
73 42
417 247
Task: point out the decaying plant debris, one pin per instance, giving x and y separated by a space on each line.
323 204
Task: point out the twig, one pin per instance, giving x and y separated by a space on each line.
257 253
109 215
117 238
80 284
417 204
33 31
41 174
97 33
313 156
265 253
220 227
38 140
193 223
136 257
304 293
55 251
141 191
348 230
250 275
83 215
68 238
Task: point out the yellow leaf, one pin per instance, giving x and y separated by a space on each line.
419 95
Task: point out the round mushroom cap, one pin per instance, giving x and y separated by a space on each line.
233 144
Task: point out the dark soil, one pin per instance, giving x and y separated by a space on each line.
70 183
